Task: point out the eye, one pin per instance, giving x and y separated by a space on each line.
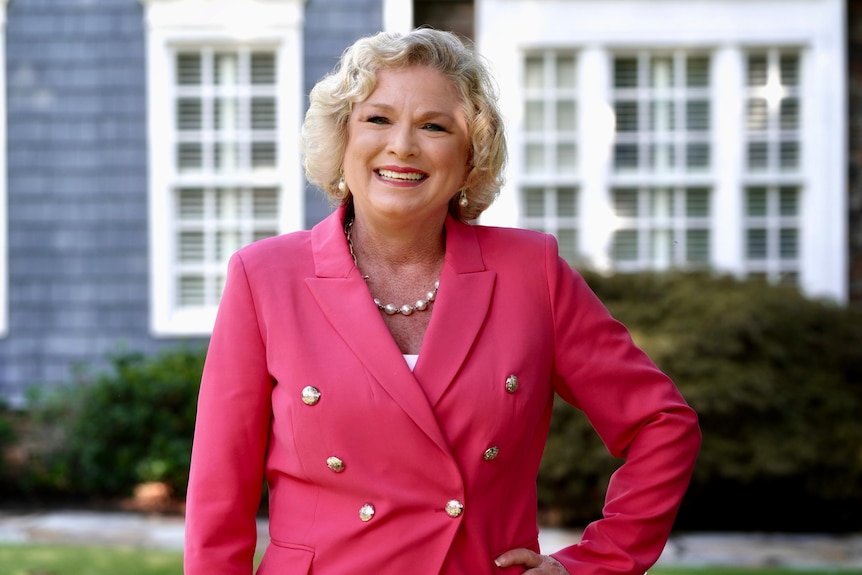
379 120
433 127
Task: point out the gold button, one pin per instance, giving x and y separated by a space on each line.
512 383
491 453
454 508
335 464
366 512
310 395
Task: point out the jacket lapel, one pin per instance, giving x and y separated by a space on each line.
462 303
344 300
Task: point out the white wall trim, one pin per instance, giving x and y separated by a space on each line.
171 23
397 15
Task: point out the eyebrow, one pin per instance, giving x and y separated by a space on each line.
424 116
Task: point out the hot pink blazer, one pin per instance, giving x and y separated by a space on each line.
296 314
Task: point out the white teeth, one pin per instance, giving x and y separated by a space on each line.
409 176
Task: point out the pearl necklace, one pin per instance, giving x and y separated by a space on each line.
391 309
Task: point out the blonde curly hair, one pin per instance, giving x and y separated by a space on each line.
324 131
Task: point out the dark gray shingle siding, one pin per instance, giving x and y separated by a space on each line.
77 189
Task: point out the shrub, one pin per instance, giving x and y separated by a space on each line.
130 425
777 382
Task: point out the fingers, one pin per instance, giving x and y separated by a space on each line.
531 560
521 556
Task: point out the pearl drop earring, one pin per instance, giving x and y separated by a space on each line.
463 200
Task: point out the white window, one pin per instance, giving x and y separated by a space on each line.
703 134
549 174
773 165
225 106
4 217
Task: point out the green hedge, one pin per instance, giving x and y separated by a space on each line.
777 382
130 425
775 378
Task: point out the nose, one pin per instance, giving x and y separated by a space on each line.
403 143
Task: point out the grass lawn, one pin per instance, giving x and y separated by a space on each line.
75 560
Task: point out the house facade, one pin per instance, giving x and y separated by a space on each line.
146 140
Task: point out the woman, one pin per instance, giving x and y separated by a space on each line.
391 372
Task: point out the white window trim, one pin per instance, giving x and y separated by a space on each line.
728 28
4 210
172 23
397 15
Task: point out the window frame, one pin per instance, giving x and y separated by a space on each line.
727 31
194 24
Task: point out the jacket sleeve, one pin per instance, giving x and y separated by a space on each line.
230 440
639 415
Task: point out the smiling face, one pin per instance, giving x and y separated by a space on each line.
408 146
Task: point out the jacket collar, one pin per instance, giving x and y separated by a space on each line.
459 310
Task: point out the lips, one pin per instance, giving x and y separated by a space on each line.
401 176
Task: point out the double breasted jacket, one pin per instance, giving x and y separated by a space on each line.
374 469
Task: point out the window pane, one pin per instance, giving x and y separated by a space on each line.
226 114
535 158
567 239
189 157
534 72
263 155
263 114
566 158
189 114
789 113
227 242
697 246
566 119
697 203
565 72
661 72
226 156
661 203
263 68
188 69
757 70
697 72
625 245
191 247
662 157
662 116
697 115
697 156
627 116
626 203
227 204
534 119
625 73
756 202
756 245
226 69
788 202
625 156
758 119
190 204
534 202
264 203
191 291
566 204
789 65
788 248
758 156
789 155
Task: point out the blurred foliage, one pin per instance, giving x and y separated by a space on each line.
776 380
129 425
7 437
